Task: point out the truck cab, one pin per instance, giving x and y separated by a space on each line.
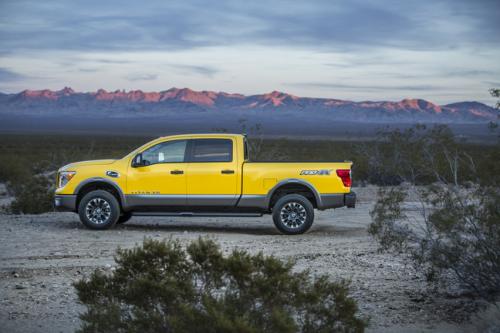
202 175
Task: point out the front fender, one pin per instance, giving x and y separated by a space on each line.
98 180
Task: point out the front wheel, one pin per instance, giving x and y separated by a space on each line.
99 210
293 214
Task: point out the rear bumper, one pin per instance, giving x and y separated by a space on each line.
65 203
329 201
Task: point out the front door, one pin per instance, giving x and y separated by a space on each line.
161 181
212 173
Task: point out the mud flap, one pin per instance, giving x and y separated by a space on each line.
350 200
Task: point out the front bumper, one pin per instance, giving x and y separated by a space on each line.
329 201
65 203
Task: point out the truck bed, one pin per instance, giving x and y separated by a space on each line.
261 177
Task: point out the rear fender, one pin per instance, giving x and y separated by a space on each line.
293 181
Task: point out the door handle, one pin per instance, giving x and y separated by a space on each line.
176 172
227 172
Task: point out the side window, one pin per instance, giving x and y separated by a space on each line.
212 150
166 152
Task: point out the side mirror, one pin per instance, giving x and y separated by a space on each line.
137 161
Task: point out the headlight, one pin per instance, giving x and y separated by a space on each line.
64 178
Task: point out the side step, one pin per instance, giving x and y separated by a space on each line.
195 214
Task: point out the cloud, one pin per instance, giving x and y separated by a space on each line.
427 46
441 73
493 84
88 70
361 87
322 24
142 77
467 73
112 61
7 75
207 71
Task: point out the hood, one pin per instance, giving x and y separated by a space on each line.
85 163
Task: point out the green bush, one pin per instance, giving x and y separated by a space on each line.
33 195
449 225
13 170
423 155
160 287
456 240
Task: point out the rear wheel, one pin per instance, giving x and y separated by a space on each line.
99 210
293 214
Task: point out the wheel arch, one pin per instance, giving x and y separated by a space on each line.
293 185
96 183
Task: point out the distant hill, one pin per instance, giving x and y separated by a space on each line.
186 102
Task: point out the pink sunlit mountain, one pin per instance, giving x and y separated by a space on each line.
185 101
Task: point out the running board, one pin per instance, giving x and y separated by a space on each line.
193 214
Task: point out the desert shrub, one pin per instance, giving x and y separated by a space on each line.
13 170
423 155
412 154
33 195
446 215
456 238
29 162
495 92
160 287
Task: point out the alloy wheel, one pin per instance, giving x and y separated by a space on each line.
98 211
293 215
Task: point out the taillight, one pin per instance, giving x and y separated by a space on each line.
345 176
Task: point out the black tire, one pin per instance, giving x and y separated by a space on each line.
296 224
108 214
124 217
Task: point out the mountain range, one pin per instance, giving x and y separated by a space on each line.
189 103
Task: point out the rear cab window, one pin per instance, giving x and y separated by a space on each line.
211 150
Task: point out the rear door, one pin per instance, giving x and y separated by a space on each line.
212 172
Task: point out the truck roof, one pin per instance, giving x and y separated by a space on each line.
204 135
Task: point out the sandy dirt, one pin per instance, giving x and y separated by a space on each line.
42 255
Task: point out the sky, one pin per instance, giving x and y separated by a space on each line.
440 50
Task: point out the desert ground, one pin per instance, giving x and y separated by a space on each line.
42 255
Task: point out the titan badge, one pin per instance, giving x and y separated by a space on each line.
323 172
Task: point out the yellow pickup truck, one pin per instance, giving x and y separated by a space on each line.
201 175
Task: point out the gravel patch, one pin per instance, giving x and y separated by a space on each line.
41 256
